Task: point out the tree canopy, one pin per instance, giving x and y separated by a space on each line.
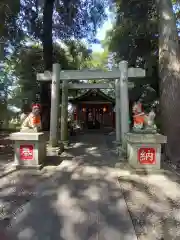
28 60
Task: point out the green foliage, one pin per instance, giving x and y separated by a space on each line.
9 13
71 19
99 60
74 55
6 83
77 19
28 61
134 38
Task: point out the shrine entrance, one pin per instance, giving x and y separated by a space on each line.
93 118
60 79
94 110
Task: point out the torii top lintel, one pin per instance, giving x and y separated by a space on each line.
91 74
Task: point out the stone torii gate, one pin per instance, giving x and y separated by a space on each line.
120 75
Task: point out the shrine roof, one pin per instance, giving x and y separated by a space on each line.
93 95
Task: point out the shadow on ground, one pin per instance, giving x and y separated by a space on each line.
92 149
16 190
78 204
154 204
53 161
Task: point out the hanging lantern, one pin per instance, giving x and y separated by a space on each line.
84 109
104 109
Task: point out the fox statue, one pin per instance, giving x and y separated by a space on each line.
141 119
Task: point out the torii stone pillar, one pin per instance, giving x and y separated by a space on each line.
53 140
64 113
124 100
117 110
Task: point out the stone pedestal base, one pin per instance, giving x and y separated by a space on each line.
144 150
55 151
29 149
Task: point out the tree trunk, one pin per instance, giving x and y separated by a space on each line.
47 34
169 73
48 60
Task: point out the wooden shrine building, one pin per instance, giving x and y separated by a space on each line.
94 109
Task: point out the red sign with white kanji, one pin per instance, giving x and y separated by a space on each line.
147 155
26 152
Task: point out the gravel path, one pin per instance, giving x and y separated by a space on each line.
18 188
15 190
154 205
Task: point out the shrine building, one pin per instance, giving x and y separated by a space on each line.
94 109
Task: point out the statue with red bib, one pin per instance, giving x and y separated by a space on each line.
32 121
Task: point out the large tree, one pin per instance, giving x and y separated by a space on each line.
70 18
169 72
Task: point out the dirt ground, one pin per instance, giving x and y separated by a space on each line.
16 189
154 205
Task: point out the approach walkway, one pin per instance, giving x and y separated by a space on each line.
82 201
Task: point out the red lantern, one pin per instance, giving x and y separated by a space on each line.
104 109
84 110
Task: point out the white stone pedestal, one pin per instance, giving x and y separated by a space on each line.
144 150
29 149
